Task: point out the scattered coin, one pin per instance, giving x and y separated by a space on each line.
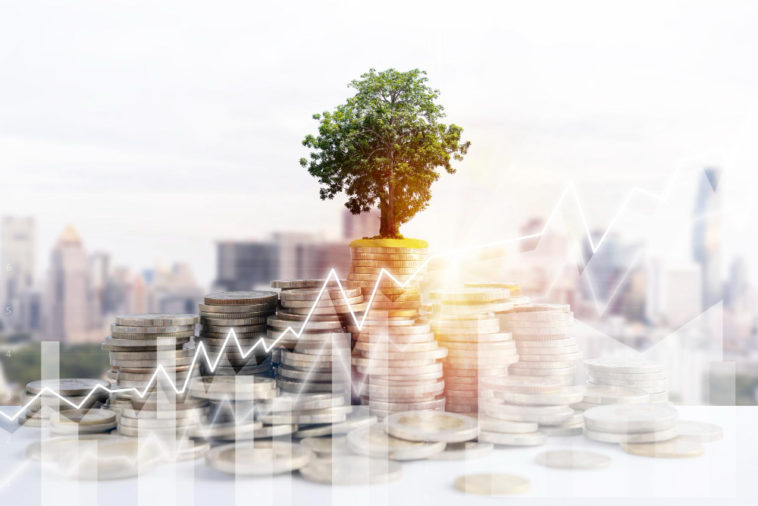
492 484
672 448
573 459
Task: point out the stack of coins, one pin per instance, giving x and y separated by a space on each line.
314 355
464 323
232 401
395 357
624 380
515 297
245 313
44 405
152 362
541 388
631 423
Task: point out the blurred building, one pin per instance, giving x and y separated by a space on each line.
243 265
174 290
706 237
358 226
674 293
68 304
613 277
17 254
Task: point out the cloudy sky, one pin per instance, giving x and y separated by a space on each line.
158 127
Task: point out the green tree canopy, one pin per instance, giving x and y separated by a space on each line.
383 146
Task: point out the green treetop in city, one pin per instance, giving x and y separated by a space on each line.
384 146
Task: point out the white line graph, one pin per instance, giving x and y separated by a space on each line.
231 338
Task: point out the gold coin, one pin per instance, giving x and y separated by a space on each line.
492 484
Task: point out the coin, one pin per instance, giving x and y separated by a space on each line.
56 447
630 418
432 426
67 386
241 297
324 446
156 320
351 470
258 459
109 459
672 448
464 451
506 426
374 441
521 439
699 431
636 437
573 459
492 484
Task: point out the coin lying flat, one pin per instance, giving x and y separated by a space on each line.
55 447
109 459
492 484
523 439
351 470
573 459
431 425
636 437
66 386
324 446
464 451
375 442
699 431
630 418
258 459
670 449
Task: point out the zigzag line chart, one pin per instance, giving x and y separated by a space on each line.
231 338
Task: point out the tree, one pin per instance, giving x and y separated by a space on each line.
383 147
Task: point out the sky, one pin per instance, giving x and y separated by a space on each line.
157 128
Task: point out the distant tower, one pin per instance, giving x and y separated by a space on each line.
17 268
706 236
68 305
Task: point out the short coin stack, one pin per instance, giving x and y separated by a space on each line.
245 313
540 389
44 405
464 323
624 380
314 356
232 411
395 357
631 423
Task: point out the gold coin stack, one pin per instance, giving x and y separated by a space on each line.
464 323
315 355
395 357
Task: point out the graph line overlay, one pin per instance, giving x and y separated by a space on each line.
231 338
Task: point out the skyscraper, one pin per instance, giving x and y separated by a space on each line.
17 272
706 236
68 315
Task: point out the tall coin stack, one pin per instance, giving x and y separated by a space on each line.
316 357
618 380
464 323
396 359
151 354
540 389
245 312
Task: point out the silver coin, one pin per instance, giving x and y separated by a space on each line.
672 448
608 394
351 470
573 459
325 446
359 418
630 418
699 431
258 459
510 439
463 451
241 297
374 441
506 426
636 437
67 386
156 320
431 425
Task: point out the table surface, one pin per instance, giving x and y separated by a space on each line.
726 474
